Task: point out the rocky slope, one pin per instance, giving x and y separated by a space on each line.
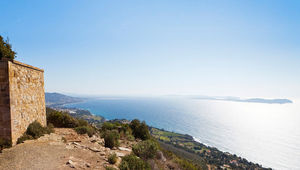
65 149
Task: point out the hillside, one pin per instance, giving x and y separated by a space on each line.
63 149
57 99
182 145
186 147
75 144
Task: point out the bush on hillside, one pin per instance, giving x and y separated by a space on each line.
132 162
90 131
140 130
63 120
112 159
108 126
34 131
145 149
4 143
111 139
5 49
110 168
185 164
82 122
23 138
182 162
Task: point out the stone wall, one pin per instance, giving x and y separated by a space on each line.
5 120
26 97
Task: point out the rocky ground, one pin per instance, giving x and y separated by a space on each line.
65 149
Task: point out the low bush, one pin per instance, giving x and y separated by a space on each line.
112 159
130 137
34 131
140 130
90 131
23 138
5 143
132 162
185 164
111 139
62 120
182 162
145 149
110 168
64 139
108 126
82 122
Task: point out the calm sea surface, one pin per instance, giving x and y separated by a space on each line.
268 134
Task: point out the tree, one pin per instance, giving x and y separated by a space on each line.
140 130
5 49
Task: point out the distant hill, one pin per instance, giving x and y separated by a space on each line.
55 99
271 101
250 100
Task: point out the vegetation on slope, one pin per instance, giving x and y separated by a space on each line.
65 120
187 147
34 131
180 149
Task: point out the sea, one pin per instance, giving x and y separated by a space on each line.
267 134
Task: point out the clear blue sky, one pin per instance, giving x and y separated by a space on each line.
248 48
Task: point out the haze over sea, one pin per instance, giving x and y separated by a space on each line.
268 134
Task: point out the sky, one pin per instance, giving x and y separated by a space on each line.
248 48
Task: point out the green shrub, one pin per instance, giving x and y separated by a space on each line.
140 130
23 138
34 131
130 137
5 143
110 168
62 120
5 50
111 139
108 126
145 149
64 139
82 122
185 165
112 159
132 162
90 131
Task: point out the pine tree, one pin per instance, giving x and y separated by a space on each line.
5 49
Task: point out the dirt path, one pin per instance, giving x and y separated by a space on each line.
63 149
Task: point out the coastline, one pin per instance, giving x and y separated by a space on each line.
212 155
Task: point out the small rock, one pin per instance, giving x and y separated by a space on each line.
94 149
75 143
125 149
119 154
88 165
71 164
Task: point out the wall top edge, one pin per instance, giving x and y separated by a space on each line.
23 64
